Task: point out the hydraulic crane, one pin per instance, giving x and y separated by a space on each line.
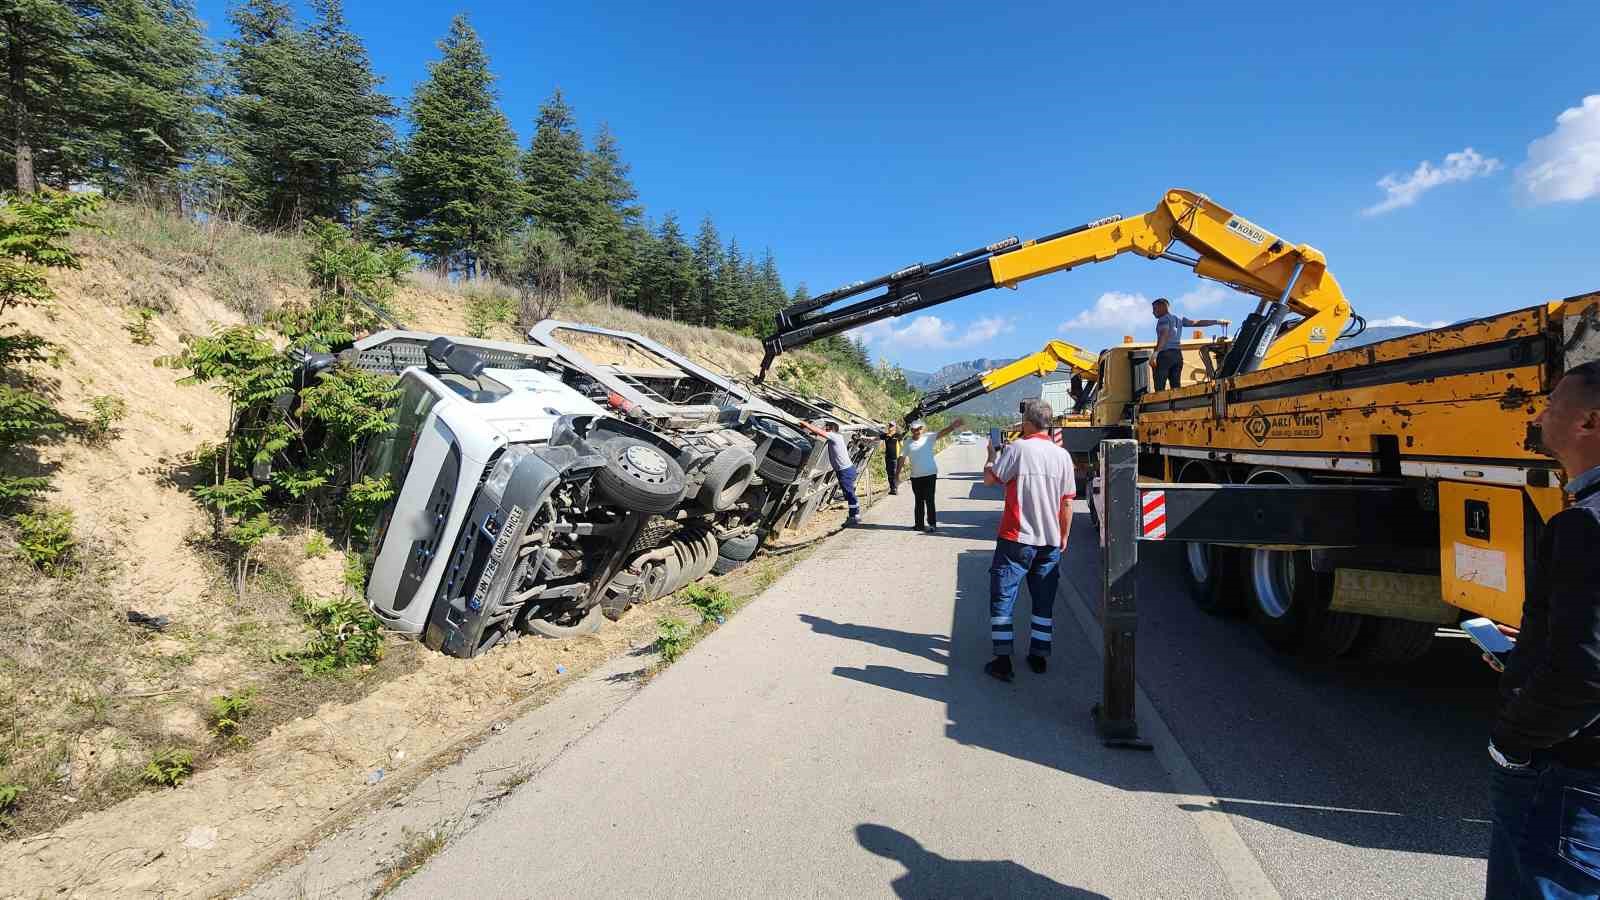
1054 355
1288 279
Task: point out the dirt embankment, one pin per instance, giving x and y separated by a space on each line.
91 699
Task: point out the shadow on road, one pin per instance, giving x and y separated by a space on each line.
1385 759
930 875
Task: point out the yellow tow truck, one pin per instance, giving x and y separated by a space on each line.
1441 417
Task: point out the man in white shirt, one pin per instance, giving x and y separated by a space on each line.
1169 334
1037 474
925 470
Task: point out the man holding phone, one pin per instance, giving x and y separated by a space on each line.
1546 740
1033 532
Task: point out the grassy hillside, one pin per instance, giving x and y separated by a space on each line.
91 699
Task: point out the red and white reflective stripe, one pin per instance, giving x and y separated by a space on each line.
1154 508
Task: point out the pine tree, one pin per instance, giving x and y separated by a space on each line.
553 172
455 188
708 262
142 85
612 198
770 296
732 303
38 41
305 126
671 279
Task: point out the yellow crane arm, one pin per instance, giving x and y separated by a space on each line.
1054 356
1288 278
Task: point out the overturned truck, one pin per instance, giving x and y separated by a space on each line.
536 492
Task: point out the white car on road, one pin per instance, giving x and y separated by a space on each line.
967 437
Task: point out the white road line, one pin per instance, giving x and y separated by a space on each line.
1239 865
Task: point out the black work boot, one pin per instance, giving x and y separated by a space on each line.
1000 667
1037 663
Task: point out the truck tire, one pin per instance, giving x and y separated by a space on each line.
638 476
789 447
1394 642
776 472
589 623
1215 574
726 479
1289 600
735 552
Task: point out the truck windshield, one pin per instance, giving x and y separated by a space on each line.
390 455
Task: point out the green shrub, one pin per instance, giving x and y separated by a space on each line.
712 602
105 412
486 309
169 768
9 795
138 325
672 638
230 710
344 635
45 538
317 545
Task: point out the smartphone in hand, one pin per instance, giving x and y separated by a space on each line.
1490 639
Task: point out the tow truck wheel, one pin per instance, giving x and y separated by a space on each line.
1394 642
638 476
1290 599
1214 573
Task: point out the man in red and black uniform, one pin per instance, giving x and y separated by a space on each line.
1033 531
1545 796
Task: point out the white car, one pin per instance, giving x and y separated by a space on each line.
966 437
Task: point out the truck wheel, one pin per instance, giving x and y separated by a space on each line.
588 623
1393 642
1279 581
1213 576
735 552
638 476
774 471
789 447
1290 606
726 479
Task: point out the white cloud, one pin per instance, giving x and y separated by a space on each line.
1112 310
1129 313
1204 296
931 333
1463 166
1404 322
1564 165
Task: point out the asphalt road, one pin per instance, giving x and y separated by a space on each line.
836 738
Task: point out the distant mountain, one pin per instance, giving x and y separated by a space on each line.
918 380
1000 403
1375 334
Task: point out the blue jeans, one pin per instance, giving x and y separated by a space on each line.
1041 567
1545 843
847 484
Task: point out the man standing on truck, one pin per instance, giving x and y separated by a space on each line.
1169 335
925 470
1545 793
1033 531
843 466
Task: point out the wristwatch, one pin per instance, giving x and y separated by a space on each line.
1501 760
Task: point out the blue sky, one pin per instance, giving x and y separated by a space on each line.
853 139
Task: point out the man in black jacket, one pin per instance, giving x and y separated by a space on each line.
1546 739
